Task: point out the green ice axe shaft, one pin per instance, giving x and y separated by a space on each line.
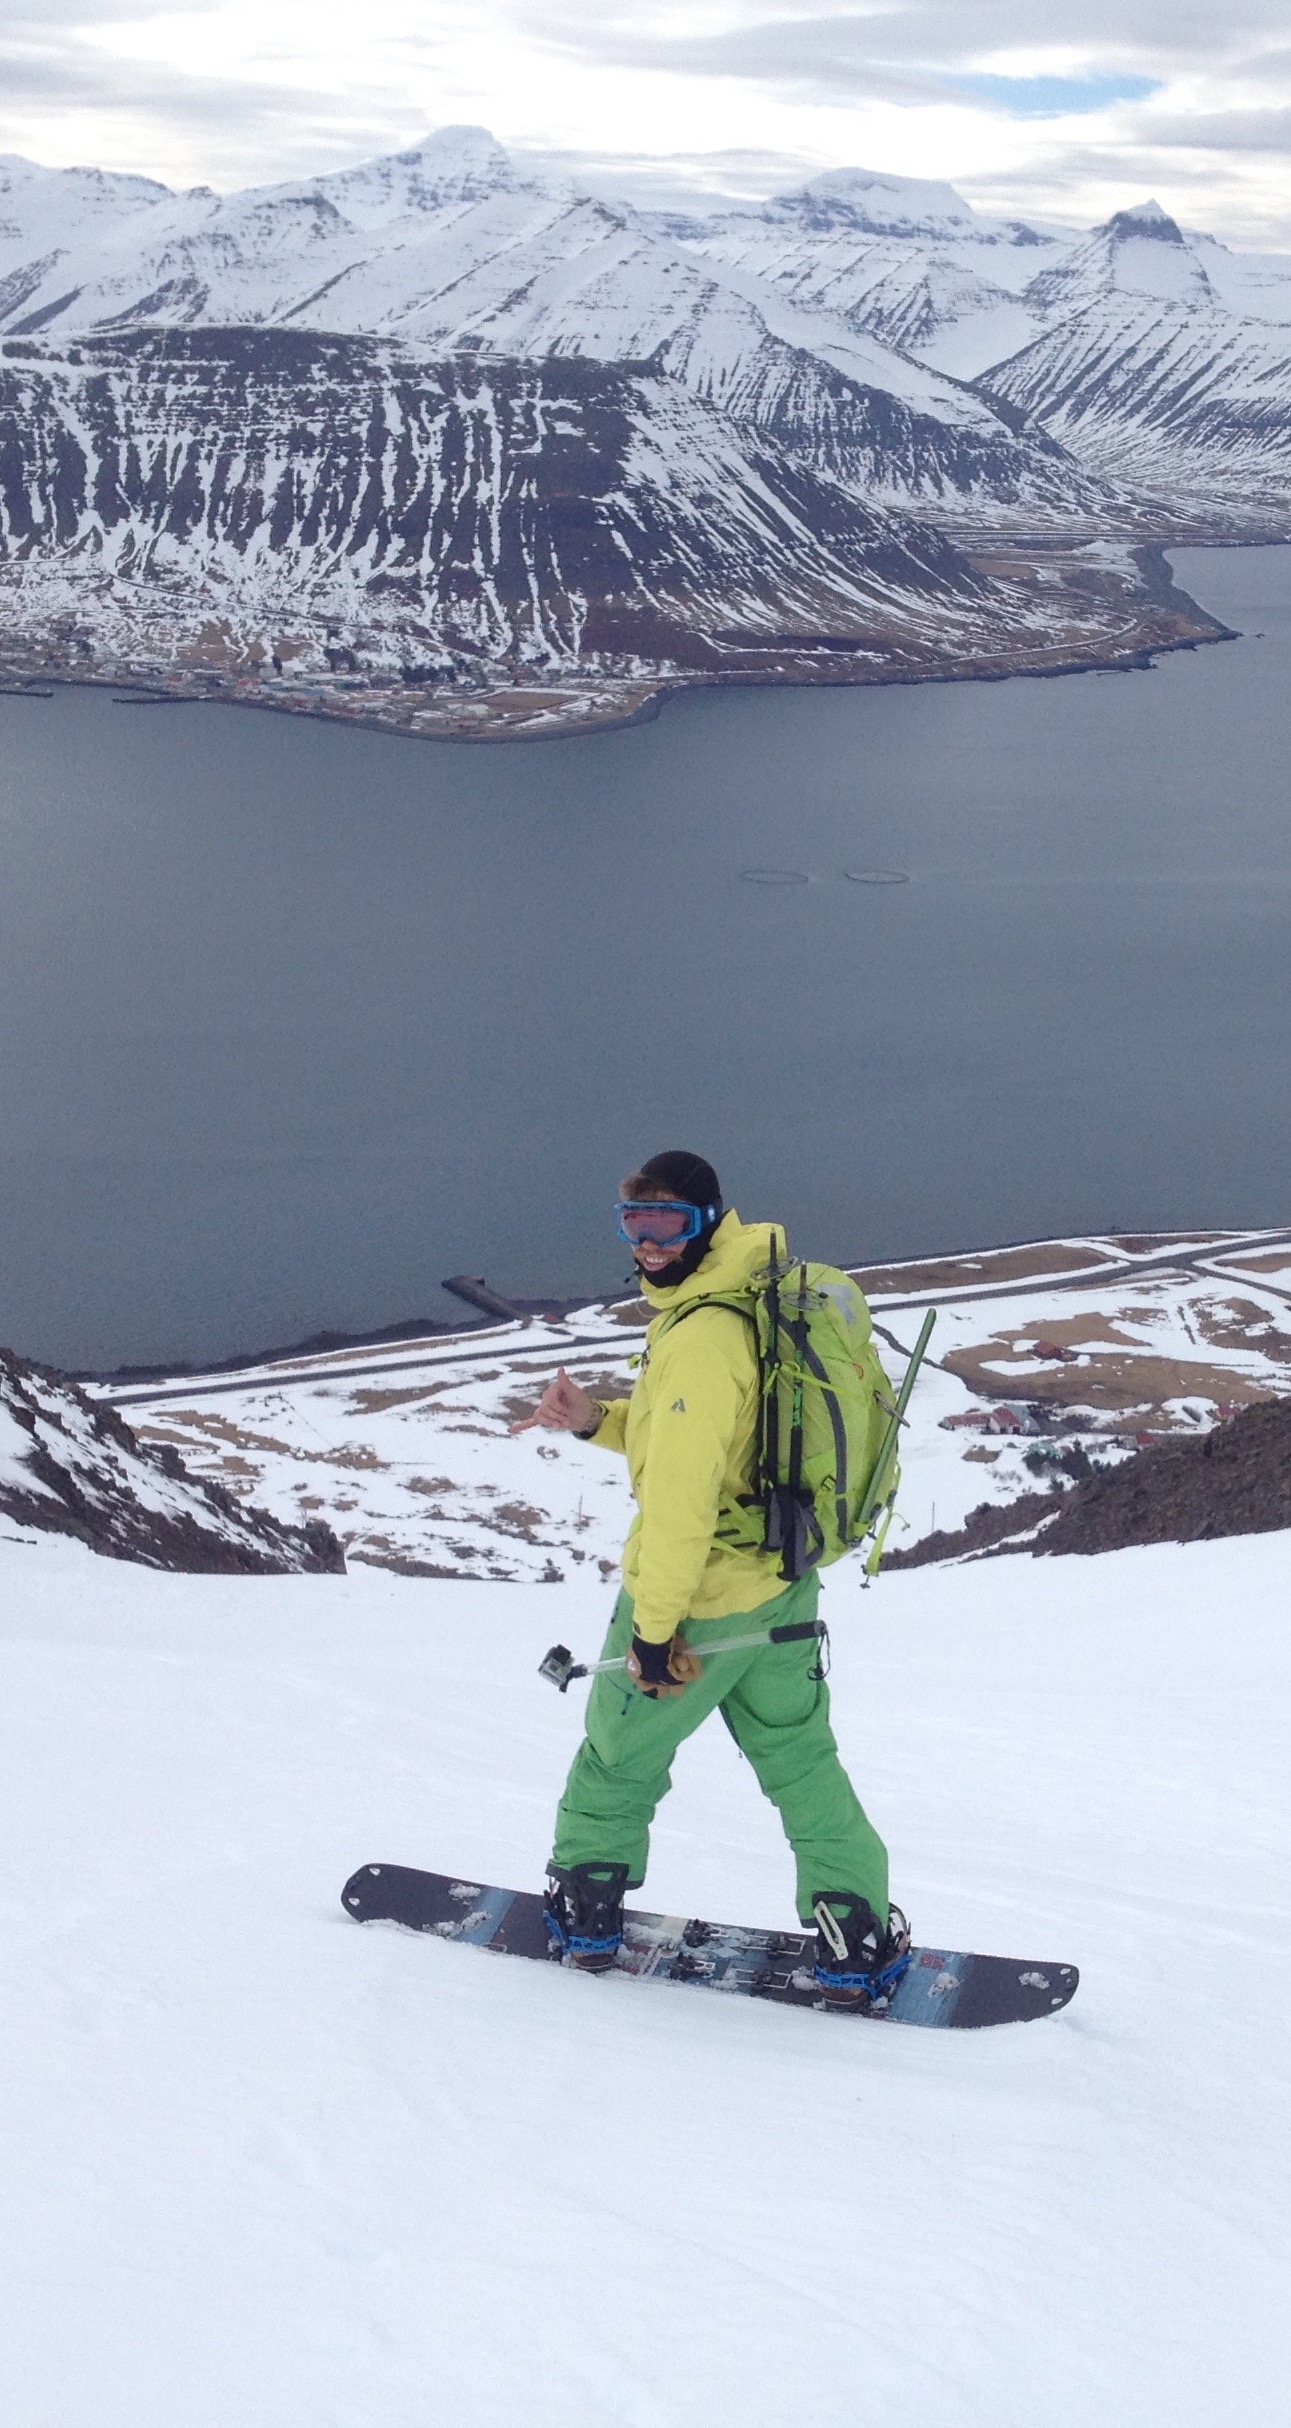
888 1445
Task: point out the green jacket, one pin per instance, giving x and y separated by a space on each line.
688 1433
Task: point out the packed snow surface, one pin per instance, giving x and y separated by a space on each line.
264 2167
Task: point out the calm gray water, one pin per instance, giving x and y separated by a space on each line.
297 1020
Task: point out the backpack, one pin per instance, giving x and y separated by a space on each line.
825 1468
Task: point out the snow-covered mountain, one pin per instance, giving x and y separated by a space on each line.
962 292
451 410
1140 252
448 247
1159 360
902 260
1188 406
540 515
1146 376
863 321
227 499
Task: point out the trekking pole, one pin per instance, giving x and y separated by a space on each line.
561 1668
888 1445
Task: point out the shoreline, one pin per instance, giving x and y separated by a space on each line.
491 723
1158 618
999 1268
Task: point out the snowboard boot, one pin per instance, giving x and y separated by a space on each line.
584 1911
858 1961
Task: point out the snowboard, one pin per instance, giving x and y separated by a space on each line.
941 1987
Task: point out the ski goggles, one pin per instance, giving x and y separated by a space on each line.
663 1221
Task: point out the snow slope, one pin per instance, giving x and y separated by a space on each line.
261 2166
1187 404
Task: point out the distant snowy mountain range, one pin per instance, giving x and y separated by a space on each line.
442 411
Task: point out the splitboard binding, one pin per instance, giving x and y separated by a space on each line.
942 1988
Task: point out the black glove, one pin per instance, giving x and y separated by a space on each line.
663 1669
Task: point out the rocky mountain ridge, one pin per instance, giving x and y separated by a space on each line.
72 1466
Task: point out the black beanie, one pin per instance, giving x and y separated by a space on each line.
691 1180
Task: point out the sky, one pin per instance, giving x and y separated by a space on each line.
1066 114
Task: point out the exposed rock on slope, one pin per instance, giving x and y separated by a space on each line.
320 495
1233 1480
72 1466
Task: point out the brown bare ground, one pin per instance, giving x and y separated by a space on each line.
1141 1383
608 1385
1237 1323
1115 1373
375 1403
219 1428
965 1272
1153 1243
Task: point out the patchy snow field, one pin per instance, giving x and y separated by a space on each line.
404 1447
265 2169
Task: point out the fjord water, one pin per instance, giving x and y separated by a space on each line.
297 1019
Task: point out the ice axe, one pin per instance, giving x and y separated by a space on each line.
559 1664
561 1668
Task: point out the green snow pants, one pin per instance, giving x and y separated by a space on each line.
776 1709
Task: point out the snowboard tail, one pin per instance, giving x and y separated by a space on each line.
942 1988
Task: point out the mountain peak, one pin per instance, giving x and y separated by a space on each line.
453 164
462 151
1144 219
880 202
1137 252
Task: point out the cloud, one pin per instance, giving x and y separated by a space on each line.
34 21
690 99
923 40
66 98
1256 130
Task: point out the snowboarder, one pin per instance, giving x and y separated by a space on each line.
688 1433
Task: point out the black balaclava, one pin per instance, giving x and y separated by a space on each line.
693 1182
